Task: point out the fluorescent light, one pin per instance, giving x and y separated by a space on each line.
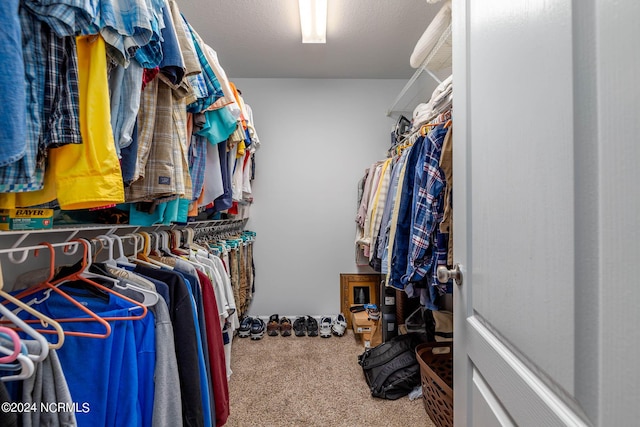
313 20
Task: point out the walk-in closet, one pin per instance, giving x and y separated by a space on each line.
319 213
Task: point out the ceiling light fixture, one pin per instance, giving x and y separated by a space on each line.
313 20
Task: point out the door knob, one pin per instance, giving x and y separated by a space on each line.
444 274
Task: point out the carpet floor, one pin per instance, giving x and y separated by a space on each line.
305 381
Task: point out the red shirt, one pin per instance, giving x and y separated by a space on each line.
215 346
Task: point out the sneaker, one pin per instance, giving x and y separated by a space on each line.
273 326
312 326
339 325
244 330
325 327
300 326
285 327
372 311
257 328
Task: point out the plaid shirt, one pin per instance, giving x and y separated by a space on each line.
27 174
65 17
213 88
12 97
128 25
428 209
163 166
197 163
61 102
149 55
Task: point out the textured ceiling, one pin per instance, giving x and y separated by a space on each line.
261 38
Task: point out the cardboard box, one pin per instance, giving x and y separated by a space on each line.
368 331
26 219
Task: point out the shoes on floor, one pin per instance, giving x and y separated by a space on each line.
325 327
258 327
273 325
339 325
285 327
300 326
244 330
312 326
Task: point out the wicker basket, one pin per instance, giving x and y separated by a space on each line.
436 371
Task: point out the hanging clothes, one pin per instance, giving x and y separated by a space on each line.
12 101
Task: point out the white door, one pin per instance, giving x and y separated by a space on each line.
547 212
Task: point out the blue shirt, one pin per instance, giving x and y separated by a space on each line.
383 252
172 64
204 377
114 375
27 174
13 133
428 207
400 251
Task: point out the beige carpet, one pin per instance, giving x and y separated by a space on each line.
304 381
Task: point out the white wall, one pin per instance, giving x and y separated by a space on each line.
318 136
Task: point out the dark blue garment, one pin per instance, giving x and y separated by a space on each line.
114 375
129 158
172 64
13 133
183 321
193 283
205 390
400 250
225 201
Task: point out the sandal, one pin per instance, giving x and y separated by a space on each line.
285 327
339 326
273 326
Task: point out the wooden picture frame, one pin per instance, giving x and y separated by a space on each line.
358 289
